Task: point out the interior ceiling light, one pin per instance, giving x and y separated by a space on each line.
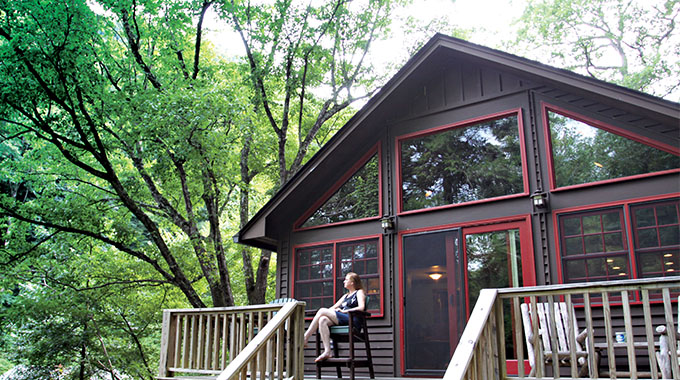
435 276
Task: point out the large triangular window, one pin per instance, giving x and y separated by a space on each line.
586 151
356 197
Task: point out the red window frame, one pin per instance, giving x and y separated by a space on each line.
670 252
461 124
375 313
376 150
311 267
626 206
600 234
545 107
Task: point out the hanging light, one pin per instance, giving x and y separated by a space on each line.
435 276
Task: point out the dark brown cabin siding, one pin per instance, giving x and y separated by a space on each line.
457 85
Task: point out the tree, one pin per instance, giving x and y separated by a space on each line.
138 138
130 147
633 43
296 52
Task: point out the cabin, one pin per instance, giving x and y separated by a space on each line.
470 169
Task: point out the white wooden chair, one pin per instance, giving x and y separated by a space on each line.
664 356
563 349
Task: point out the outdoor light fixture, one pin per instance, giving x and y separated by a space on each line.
435 276
387 223
539 200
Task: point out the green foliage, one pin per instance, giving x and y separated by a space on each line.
130 153
631 42
582 154
463 164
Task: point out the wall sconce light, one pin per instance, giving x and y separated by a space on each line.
539 200
387 223
435 276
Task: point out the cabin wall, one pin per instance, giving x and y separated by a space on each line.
452 92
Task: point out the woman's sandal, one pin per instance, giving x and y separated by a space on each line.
324 356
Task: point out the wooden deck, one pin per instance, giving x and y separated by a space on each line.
264 342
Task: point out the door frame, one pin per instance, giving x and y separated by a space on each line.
522 222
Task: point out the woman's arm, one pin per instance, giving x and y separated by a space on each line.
337 304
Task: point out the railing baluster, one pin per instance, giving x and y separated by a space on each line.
630 338
609 333
550 313
592 365
571 335
671 332
226 337
536 339
649 334
519 340
194 341
178 341
279 350
186 345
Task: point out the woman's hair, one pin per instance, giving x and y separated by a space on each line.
356 280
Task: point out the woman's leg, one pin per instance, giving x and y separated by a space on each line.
323 312
324 330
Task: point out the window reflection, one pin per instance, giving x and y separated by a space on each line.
356 199
461 164
583 153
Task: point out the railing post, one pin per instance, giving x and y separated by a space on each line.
299 342
167 344
500 336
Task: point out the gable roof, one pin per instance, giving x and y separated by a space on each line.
256 232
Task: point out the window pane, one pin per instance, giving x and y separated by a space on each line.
596 267
647 238
576 269
583 153
593 243
613 242
355 199
645 217
317 289
651 264
669 235
667 214
572 226
611 221
461 164
303 274
617 266
346 252
574 246
591 224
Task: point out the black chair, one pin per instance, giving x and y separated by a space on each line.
351 334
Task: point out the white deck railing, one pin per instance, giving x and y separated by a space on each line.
634 307
261 341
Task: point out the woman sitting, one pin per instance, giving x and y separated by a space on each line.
338 314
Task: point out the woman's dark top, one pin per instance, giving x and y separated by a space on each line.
351 301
